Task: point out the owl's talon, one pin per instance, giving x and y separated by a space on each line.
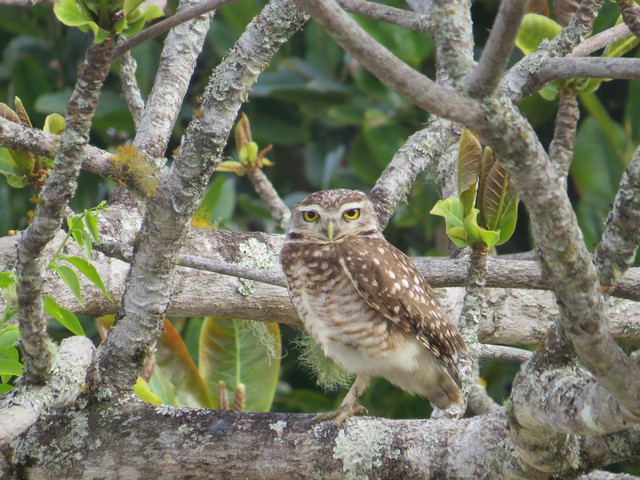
341 414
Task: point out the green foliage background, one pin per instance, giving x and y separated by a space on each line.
332 124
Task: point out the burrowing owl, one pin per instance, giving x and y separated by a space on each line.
366 303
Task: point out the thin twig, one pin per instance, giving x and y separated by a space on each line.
130 88
167 24
587 67
503 352
564 134
600 40
487 74
384 13
270 197
240 271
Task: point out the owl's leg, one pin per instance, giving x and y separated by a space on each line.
350 405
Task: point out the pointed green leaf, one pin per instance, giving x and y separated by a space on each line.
469 165
487 163
471 227
176 373
54 123
508 220
240 351
71 279
493 198
130 5
88 270
62 315
91 221
22 113
10 367
152 12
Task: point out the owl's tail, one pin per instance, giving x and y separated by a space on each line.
441 390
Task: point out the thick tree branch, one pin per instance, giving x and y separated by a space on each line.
60 187
486 76
454 41
619 242
438 99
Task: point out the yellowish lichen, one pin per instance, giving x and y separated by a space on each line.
130 169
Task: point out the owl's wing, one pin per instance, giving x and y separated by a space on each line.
391 284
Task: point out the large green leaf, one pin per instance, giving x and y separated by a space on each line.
533 30
235 351
494 195
453 212
469 168
175 377
66 317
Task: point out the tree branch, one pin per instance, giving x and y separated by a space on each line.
587 67
60 187
564 134
486 76
619 242
130 89
600 40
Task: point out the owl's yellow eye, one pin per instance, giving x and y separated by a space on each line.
351 214
310 216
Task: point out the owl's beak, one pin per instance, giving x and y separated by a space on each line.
330 230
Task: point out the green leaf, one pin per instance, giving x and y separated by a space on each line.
66 317
508 221
477 234
4 388
54 123
533 30
70 13
8 279
71 279
469 168
91 221
8 337
10 367
152 12
88 270
129 6
493 196
240 351
144 393
453 212
176 379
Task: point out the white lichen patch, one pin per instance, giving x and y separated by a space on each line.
363 448
254 254
278 427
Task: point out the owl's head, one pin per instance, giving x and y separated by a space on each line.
332 215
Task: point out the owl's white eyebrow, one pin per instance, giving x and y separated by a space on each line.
313 206
349 206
